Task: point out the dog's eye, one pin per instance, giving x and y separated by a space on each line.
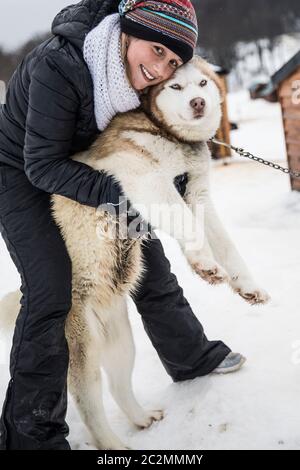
203 83
176 86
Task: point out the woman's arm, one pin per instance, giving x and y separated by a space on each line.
51 122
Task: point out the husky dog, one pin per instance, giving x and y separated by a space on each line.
144 150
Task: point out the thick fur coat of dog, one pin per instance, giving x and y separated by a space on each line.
144 150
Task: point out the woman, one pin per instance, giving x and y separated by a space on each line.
60 97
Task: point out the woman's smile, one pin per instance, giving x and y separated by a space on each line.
146 74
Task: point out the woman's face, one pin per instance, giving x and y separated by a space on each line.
159 61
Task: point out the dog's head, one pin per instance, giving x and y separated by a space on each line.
187 105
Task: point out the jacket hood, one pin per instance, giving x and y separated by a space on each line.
75 21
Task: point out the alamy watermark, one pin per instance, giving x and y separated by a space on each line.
4 352
296 354
184 222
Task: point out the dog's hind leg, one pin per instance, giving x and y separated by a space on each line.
85 382
117 359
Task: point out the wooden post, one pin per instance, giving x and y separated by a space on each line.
223 133
290 107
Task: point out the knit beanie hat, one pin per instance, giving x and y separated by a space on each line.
172 23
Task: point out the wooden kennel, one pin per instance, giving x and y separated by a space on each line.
284 87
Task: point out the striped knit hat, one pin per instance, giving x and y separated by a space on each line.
172 23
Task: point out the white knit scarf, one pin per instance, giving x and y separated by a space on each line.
102 52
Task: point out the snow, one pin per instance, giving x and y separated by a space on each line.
260 126
258 406
250 69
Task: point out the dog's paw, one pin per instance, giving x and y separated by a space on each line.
250 292
118 448
210 271
113 446
148 418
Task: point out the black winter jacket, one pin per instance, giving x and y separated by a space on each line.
49 111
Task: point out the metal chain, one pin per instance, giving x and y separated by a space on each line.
244 153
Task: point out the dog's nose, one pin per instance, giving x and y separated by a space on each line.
198 104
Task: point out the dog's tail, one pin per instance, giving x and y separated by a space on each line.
9 309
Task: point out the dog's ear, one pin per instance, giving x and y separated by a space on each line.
207 69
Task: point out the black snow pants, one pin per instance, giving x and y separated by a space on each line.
34 410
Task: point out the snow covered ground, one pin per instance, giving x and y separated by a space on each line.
257 407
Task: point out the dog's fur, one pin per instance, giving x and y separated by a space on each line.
144 150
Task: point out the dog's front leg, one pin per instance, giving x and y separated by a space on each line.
228 256
204 262
160 204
